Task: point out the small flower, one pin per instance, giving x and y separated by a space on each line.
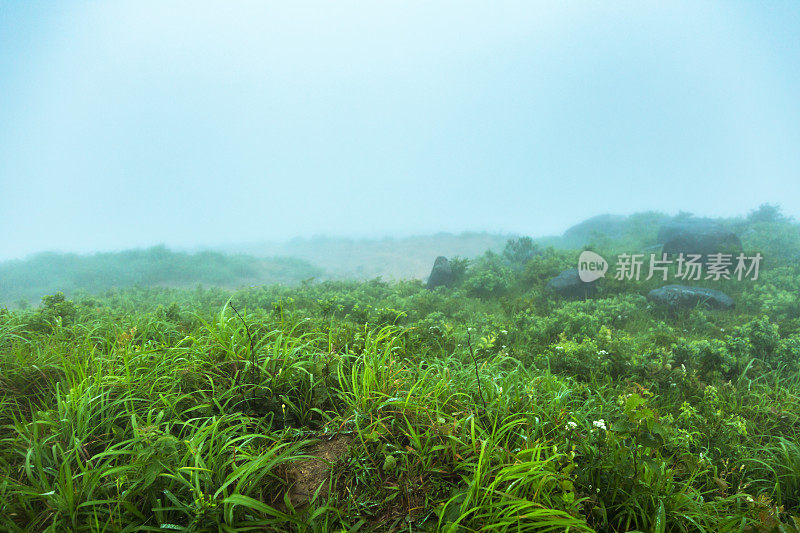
600 424
559 347
504 332
570 425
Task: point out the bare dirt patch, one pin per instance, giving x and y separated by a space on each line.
307 475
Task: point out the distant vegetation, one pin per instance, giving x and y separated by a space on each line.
30 279
323 259
390 258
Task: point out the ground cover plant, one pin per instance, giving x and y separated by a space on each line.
493 405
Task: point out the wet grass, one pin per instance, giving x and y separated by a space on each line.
130 420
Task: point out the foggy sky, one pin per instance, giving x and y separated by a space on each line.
127 124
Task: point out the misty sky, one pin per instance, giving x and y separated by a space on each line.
126 124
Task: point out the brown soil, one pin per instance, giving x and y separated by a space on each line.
309 474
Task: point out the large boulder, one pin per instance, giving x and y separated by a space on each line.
681 296
701 236
705 241
441 274
610 226
673 228
569 284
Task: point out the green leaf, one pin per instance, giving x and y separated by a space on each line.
661 519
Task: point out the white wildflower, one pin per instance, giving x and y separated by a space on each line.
601 424
570 425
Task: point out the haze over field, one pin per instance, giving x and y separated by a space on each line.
400 265
129 124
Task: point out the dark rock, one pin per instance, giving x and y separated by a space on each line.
682 296
705 241
610 226
671 229
701 236
441 274
569 284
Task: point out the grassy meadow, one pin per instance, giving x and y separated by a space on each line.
493 405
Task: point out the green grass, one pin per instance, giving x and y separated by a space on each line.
165 410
